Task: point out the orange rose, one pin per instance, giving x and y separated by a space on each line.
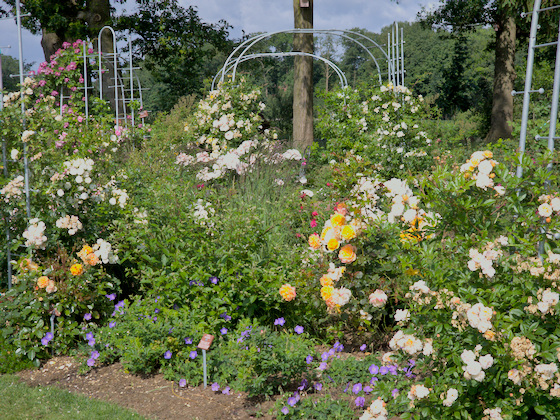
347 254
326 292
348 233
86 250
341 209
314 241
288 292
77 269
326 281
43 282
91 259
338 219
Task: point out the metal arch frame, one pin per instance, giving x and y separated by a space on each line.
339 72
340 32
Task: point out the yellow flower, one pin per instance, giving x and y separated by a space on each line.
43 282
488 154
326 281
77 269
333 244
338 219
86 250
326 292
314 241
347 254
348 233
287 292
91 259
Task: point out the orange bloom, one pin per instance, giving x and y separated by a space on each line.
314 241
77 269
333 244
26 264
341 209
326 281
348 233
43 282
347 254
91 259
338 219
288 292
326 292
86 250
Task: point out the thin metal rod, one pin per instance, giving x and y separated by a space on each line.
397 52
402 56
131 78
547 44
528 81
555 94
85 76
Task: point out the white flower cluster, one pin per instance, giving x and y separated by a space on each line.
118 196
202 213
417 392
479 317
410 344
493 414
140 217
547 301
376 411
480 167
72 223
26 135
484 261
12 189
35 234
550 204
450 398
475 369
80 168
104 252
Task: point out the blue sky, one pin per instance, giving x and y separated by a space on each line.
258 16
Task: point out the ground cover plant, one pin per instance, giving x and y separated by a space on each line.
377 270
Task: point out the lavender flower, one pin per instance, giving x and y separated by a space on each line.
374 369
112 324
309 359
167 355
384 370
357 388
279 321
285 410
360 401
188 340
215 387
226 390
318 386
214 280
323 366
87 316
182 383
223 331
48 337
363 347
112 296
298 329
193 354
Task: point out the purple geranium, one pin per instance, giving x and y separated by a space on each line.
112 324
193 354
215 387
223 331
318 386
226 390
309 359
188 340
374 369
279 321
167 355
48 337
360 401
285 410
214 280
182 383
90 362
112 296
363 347
298 329
87 316
323 366
357 388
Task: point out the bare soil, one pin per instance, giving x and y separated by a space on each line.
151 396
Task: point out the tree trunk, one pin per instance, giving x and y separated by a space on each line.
504 76
50 42
303 77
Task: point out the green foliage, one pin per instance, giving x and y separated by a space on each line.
321 408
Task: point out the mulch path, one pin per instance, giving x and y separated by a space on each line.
151 396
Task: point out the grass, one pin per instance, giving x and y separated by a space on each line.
19 401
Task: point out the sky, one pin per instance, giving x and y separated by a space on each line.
256 16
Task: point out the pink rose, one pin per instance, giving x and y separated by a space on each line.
378 298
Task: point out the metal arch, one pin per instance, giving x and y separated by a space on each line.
339 32
339 72
326 31
115 67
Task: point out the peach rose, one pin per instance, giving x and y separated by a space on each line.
43 282
288 292
326 280
347 254
51 287
378 298
314 241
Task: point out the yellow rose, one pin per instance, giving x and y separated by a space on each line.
347 254
333 244
77 269
348 233
326 292
338 220
326 281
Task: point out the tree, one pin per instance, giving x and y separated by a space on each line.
504 17
303 76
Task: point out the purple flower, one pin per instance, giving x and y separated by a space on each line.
395 392
223 331
363 347
367 389
214 280
338 347
188 340
112 324
384 370
325 356
91 342
193 354
360 401
392 369
323 366
279 321
298 329
182 383
292 401
347 386
91 362
226 316
156 311
94 355
112 296
48 337
318 386
215 387
285 410
373 380
89 336
167 355
309 359
374 369
87 316
357 388
226 390
304 384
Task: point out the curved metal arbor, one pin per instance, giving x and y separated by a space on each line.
249 43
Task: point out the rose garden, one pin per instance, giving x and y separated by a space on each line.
404 276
